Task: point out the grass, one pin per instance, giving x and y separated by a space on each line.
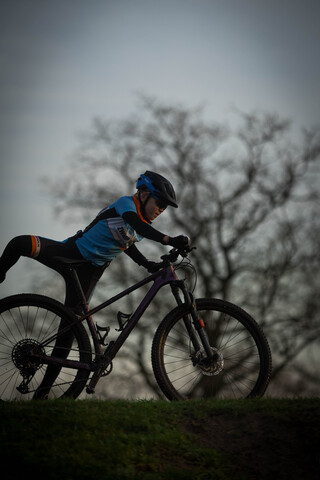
248 439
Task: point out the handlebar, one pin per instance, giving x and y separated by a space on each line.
173 255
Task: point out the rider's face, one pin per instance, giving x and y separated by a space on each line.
152 209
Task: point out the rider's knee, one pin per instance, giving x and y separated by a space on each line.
21 245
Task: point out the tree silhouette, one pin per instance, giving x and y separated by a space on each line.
248 200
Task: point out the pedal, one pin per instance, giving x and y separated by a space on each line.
23 388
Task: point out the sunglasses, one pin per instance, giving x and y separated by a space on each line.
161 203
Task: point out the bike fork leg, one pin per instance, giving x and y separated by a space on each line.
205 343
199 326
186 319
196 323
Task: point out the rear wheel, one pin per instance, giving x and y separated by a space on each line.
241 363
27 322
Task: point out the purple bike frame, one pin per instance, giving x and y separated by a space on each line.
160 278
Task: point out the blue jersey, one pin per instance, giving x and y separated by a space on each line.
109 234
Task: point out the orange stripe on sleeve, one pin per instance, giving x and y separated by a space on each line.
35 246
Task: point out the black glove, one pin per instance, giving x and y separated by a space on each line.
179 242
152 267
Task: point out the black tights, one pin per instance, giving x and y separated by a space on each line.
45 250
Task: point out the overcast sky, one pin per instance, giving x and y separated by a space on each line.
64 61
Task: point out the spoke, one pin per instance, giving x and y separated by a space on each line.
193 379
183 376
9 329
174 356
177 361
176 369
175 348
226 345
250 347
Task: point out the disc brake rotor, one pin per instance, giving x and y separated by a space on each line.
209 366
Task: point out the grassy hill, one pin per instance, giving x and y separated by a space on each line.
249 439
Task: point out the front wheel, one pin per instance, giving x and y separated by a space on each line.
240 366
27 323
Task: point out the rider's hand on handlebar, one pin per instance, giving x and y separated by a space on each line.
180 242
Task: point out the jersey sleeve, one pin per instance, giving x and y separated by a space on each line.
136 255
128 208
143 228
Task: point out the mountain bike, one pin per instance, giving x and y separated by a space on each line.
202 348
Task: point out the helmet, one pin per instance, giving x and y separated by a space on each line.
158 186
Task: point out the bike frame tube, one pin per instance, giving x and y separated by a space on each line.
62 362
161 278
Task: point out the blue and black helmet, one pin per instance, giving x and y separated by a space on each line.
158 186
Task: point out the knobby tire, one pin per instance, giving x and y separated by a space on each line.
243 359
26 321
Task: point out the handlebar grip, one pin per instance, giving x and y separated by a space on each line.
187 241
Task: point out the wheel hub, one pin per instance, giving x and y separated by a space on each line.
209 366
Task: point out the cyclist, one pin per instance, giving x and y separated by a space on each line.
115 229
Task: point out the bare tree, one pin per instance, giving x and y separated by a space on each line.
248 200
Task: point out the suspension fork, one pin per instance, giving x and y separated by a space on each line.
197 322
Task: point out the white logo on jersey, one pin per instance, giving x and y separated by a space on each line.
120 232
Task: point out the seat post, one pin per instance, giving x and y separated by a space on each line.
78 286
69 265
